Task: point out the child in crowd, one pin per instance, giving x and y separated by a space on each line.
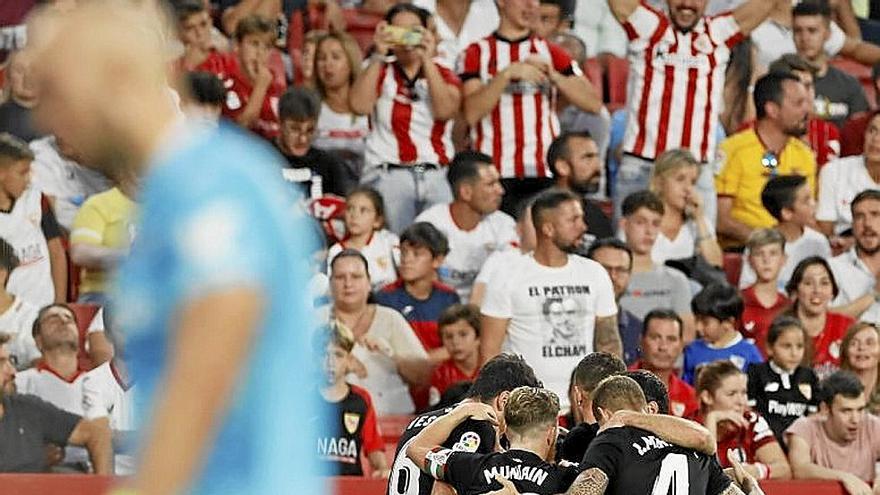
418 295
789 200
254 91
762 301
782 390
460 332
194 30
741 434
351 430
365 231
716 309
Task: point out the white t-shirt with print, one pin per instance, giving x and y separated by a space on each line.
552 313
468 250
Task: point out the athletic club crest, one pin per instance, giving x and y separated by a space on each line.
351 422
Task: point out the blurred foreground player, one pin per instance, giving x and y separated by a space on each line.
211 321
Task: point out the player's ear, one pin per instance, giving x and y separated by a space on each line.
501 401
651 408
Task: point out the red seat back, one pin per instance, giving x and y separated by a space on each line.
732 267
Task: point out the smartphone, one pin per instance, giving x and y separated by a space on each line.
404 36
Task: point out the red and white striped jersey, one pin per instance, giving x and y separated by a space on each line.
518 131
675 82
403 127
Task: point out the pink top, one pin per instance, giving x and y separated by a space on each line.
857 457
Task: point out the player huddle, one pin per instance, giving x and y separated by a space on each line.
503 438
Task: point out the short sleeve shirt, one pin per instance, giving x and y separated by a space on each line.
839 182
350 431
661 287
552 313
743 176
743 443
782 397
740 352
27 425
857 457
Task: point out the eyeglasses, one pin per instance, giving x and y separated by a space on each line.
771 162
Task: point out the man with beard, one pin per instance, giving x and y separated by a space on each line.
677 63
512 311
472 223
748 159
856 270
28 423
574 159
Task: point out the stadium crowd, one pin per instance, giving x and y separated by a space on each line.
533 268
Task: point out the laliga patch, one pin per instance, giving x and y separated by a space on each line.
351 421
469 442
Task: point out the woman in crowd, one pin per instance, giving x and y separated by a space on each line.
740 433
387 357
811 289
860 353
337 63
684 230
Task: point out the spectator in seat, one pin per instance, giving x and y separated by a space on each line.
103 231
651 285
842 443
763 300
841 180
662 345
317 171
617 259
194 25
685 230
41 277
789 200
551 19
774 143
67 183
852 135
108 395
253 90
525 68
341 132
782 389
472 222
43 424
15 112
412 101
574 161
741 434
365 231
459 329
860 353
204 103
811 289
717 309
387 356
459 24
351 429
58 377
857 268
417 294
17 316
552 306
838 94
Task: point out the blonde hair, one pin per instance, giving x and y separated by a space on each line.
763 237
670 161
352 53
618 392
529 408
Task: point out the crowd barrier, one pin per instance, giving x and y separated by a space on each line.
60 484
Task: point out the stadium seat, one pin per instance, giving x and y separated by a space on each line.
732 265
852 136
392 426
84 315
593 71
617 73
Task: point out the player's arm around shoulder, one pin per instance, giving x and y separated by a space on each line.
425 448
672 429
592 481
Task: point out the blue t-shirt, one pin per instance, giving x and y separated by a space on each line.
422 315
215 214
741 352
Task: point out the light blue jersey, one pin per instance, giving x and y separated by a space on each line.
216 214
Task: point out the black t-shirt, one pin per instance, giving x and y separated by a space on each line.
351 430
27 425
781 398
636 461
469 436
335 178
577 441
473 474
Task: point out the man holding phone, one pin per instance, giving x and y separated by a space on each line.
412 102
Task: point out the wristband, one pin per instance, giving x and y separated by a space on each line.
763 470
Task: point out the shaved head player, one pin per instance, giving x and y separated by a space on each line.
214 330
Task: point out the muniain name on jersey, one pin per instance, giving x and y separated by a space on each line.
518 472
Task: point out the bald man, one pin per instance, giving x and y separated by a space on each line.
211 324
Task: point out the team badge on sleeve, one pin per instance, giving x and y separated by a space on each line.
351 421
469 442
